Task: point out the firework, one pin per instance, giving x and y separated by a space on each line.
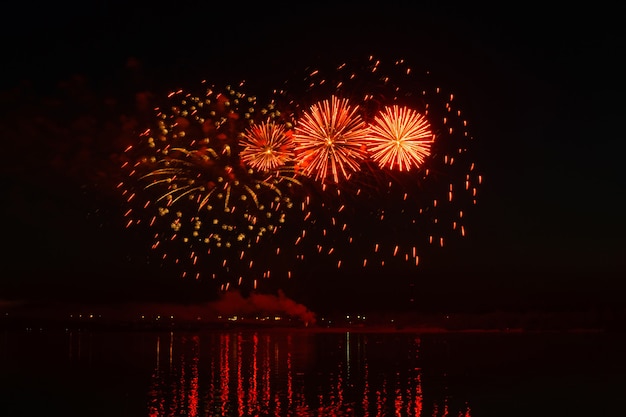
410 181
361 165
400 139
194 188
329 140
267 147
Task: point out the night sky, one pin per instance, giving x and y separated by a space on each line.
543 91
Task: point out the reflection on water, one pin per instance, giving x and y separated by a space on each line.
300 373
292 374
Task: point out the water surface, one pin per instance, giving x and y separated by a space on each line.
283 372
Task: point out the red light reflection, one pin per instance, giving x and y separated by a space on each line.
265 373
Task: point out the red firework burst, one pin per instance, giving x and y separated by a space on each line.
330 140
400 138
267 146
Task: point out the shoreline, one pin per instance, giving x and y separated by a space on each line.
48 325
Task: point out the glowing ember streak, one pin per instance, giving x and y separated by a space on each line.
329 140
400 138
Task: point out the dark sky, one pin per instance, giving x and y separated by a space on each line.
543 89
